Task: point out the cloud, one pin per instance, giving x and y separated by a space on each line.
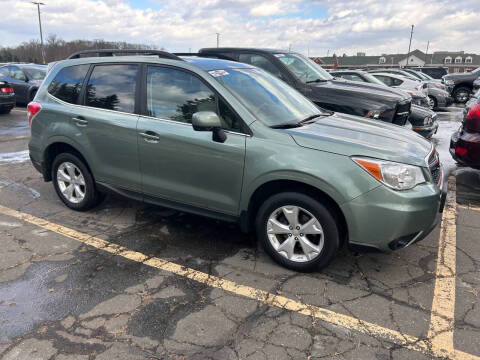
372 26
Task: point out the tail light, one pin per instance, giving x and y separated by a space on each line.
461 151
33 109
6 90
472 121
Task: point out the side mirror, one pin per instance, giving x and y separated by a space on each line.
209 121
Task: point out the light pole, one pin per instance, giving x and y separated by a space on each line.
409 44
40 24
218 39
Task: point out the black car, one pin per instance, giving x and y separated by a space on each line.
462 84
423 120
7 97
24 78
367 100
435 72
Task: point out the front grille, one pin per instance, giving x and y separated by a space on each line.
435 168
401 114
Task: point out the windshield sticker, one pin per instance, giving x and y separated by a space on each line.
279 55
217 73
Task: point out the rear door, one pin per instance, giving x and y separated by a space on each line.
107 122
178 163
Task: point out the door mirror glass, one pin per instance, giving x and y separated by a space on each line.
205 121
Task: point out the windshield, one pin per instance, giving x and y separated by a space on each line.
35 73
270 99
372 79
476 71
303 68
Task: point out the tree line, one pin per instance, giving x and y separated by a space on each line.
57 49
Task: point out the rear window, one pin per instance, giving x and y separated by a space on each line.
67 85
112 87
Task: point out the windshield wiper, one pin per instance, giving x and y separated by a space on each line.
315 81
311 117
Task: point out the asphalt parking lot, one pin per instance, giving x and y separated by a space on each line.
132 281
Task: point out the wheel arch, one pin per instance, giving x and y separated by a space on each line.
56 148
272 187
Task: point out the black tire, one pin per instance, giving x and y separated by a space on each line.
322 213
5 111
459 94
435 103
92 196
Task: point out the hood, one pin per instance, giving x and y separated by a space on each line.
352 135
357 91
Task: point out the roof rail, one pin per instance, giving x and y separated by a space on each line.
112 52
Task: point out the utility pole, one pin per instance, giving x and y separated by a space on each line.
218 39
409 45
40 24
426 52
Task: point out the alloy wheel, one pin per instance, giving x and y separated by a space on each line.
462 96
431 103
71 182
295 233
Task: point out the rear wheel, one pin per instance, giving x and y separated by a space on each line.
74 183
432 103
32 95
297 231
461 94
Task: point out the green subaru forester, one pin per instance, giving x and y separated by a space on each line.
227 140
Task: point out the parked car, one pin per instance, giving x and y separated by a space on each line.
462 84
476 84
230 141
303 74
436 98
433 71
7 97
24 78
436 92
465 143
422 119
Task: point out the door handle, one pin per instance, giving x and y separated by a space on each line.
150 136
80 122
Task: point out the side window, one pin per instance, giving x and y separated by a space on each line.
112 87
397 82
4 72
261 62
352 77
386 80
16 73
67 84
230 120
176 95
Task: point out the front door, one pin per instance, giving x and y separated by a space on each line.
178 163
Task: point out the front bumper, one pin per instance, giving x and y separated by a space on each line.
386 220
427 131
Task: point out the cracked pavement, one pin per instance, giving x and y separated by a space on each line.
61 299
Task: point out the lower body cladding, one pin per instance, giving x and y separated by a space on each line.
465 148
7 103
386 219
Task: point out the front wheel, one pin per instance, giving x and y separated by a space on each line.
432 103
461 95
74 183
297 231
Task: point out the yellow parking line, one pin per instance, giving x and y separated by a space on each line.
442 318
262 296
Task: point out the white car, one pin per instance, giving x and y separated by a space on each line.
413 87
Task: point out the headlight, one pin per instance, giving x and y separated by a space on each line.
397 176
374 114
449 82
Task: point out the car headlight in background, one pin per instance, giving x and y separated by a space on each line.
449 82
374 114
397 176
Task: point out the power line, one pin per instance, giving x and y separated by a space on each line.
40 25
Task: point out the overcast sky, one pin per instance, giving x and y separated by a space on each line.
340 26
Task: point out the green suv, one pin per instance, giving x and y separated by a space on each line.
228 140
